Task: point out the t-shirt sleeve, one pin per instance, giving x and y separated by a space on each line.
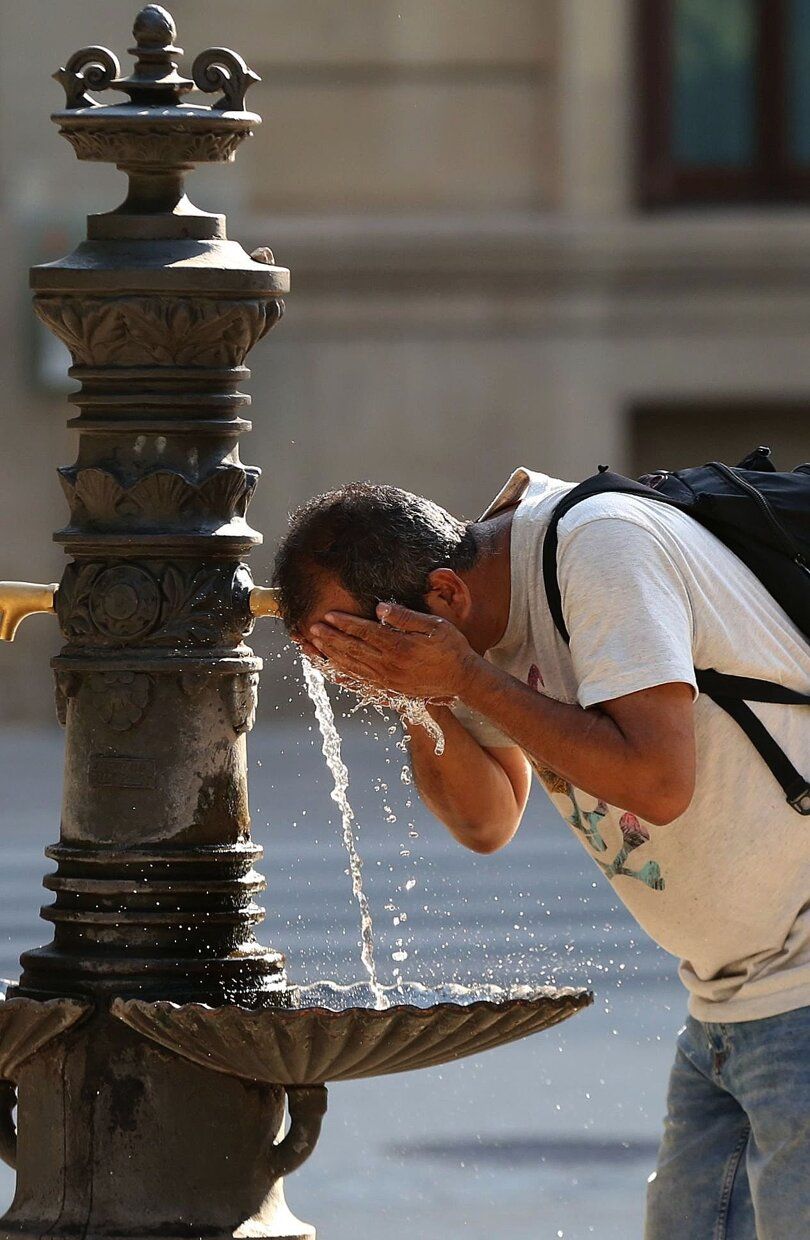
480 728
627 610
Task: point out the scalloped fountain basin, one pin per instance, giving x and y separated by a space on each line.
337 1033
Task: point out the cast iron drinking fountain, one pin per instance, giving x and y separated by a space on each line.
154 1046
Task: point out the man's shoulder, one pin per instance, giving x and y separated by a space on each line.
631 510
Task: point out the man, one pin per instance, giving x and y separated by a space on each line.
663 790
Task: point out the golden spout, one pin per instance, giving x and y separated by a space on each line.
264 601
19 599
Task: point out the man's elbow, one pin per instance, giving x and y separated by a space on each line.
484 845
486 839
665 803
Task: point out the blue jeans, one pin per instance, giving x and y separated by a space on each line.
734 1162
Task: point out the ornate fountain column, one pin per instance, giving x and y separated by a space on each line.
155 882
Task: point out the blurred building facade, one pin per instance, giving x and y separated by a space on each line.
549 232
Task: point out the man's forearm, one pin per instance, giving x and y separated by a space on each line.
586 747
465 787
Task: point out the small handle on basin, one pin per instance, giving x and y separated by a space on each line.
307 1107
8 1131
19 599
264 601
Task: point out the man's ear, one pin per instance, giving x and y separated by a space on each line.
448 596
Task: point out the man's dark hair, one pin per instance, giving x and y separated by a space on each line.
380 543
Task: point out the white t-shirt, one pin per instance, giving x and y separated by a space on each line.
648 595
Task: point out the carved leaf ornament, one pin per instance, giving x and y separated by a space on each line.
173 607
167 331
73 600
194 605
151 145
121 699
163 495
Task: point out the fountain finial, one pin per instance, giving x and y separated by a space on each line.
155 78
154 27
157 135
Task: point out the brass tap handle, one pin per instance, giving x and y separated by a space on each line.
264 601
19 599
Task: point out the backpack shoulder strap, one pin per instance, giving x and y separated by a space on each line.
719 685
598 484
792 782
732 694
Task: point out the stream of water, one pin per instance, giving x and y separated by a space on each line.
316 688
412 712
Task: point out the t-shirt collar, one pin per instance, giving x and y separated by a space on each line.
513 490
520 482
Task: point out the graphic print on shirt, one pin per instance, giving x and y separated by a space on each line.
588 822
634 833
534 679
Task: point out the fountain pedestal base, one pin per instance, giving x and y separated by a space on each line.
118 1137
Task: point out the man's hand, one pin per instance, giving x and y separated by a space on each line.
416 655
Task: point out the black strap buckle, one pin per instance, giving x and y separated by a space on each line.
801 802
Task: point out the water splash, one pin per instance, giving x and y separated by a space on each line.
316 688
411 710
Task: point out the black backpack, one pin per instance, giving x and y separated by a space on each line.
764 517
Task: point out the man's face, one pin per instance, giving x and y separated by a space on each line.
330 596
